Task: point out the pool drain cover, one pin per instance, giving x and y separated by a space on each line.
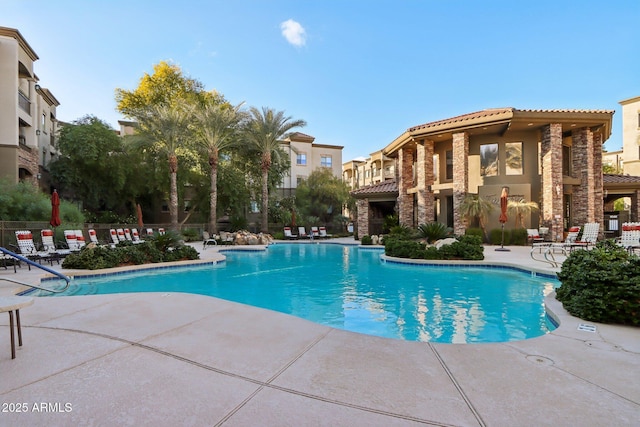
586 328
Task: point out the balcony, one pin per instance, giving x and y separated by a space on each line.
24 103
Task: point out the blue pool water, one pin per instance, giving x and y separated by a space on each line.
350 288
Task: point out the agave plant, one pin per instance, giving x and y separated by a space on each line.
433 231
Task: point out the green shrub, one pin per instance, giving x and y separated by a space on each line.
389 222
495 236
474 231
127 253
434 231
190 235
366 240
402 231
519 237
466 248
278 235
601 285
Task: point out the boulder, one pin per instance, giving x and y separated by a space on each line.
443 242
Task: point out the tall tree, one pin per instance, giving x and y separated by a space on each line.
322 195
91 165
265 129
216 125
164 130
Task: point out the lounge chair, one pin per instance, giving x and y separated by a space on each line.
71 239
533 236
323 233
302 233
49 244
288 235
93 236
315 232
120 234
630 236
149 231
135 236
161 231
114 237
27 247
80 239
127 235
206 240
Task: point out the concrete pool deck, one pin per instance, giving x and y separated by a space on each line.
169 359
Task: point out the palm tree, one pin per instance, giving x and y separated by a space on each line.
216 126
473 206
265 129
519 209
165 130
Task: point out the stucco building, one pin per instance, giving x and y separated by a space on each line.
306 156
28 123
552 157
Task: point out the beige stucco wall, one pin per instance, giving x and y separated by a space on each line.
631 135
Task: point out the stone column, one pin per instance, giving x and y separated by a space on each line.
583 200
598 181
362 208
635 207
460 179
552 190
426 201
405 182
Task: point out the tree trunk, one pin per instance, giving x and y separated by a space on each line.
173 195
265 200
213 194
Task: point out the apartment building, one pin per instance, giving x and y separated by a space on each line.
552 157
28 123
306 156
361 172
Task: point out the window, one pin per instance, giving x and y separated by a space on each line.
165 206
187 205
44 120
301 159
436 167
513 162
299 179
566 160
489 159
254 207
639 120
449 160
325 161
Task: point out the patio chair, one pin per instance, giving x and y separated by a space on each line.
49 244
80 239
71 239
27 247
315 232
207 239
288 235
302 233
114 237
93 236
630 236
533 236
323 233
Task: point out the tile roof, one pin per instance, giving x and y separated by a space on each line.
498 111
385 187
620 179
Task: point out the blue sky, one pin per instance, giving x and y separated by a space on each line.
359 72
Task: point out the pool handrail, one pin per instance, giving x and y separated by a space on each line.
35 264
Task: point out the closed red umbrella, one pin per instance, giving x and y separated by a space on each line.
504 201
55 209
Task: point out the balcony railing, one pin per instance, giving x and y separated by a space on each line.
24 102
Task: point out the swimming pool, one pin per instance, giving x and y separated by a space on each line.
350 288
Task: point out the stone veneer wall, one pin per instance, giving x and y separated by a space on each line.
28 159
362 207
551 159
598 181
460 179
405 182
426 201
635 206
583 203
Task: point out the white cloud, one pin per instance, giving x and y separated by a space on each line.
293 32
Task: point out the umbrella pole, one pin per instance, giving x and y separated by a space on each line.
502 248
